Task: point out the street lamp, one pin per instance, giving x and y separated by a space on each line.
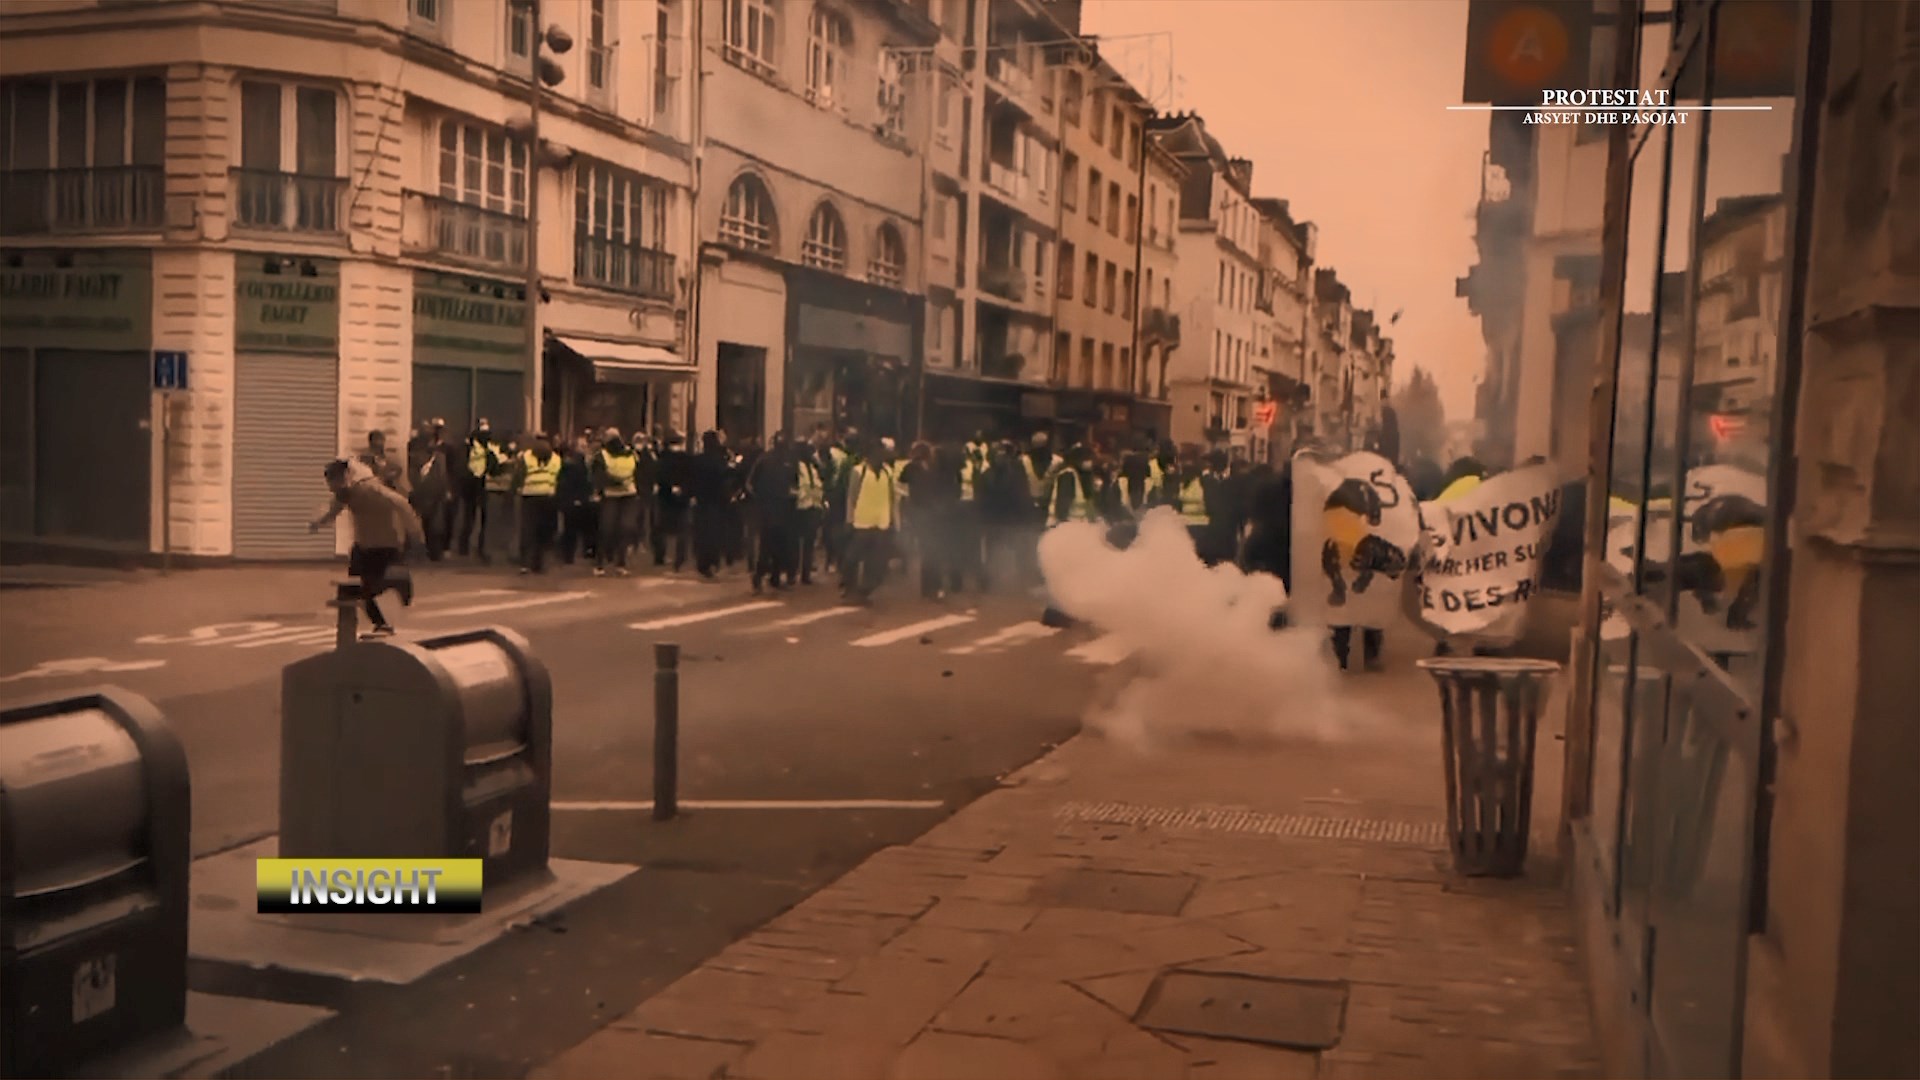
546 72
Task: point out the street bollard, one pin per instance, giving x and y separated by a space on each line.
1490 710
346 608
95 852
666 731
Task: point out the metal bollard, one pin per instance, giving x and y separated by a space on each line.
346 607
666 731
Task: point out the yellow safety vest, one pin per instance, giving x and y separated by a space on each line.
1082 508
1037 481
969 475
1193 503
500 479
620 469
1156 477
477 459
540 479
875 508
812 494
1458 488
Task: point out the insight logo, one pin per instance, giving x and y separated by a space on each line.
314 886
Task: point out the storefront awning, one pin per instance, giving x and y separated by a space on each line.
626 362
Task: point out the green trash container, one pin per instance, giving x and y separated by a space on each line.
1490 717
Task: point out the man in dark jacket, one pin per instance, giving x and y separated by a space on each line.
673 498
574 499
712 490
427 468
1006 508
773 504
932 482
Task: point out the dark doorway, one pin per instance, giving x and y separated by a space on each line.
93 445
741 392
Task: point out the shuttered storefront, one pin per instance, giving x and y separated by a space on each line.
286 410
286 428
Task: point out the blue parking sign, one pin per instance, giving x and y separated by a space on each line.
169 370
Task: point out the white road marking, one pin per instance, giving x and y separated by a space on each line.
467 594
1012 635
309 635
202 635
1107 650
804 620
888 637
537 600
263 637
760 804
81 665
705 616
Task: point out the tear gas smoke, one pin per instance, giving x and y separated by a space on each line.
1205 661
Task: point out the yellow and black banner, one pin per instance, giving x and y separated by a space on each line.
368 886
1517 48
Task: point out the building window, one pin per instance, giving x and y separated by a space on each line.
1086 362
892 97
942 209
1126 369
483 167
519 36
889 263
82 155
1070 96
1221 293
1106 366
826 243
1109 286
749 28
1070 181
943 128
289 172
1133 145
1039 266
1062 356
1126 293
829 38
1113 208
747 220
620 231
1094 192
426 12
1066 270
663 73
1096 118
599 52
1091 293
1119 130
1133 218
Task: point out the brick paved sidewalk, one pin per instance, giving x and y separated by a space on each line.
1021 939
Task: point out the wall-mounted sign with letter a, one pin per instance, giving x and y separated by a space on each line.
1517 48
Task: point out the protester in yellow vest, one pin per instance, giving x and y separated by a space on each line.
810 507
614 470
872 511
1074 495
537 479
1189 496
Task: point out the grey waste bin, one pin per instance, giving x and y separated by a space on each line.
438 748
95 849
1490 713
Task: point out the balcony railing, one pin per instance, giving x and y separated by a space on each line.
287 202
1007 180
121 197
1006 282
616 264
475 234
1158 322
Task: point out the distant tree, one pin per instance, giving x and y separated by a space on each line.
1423 418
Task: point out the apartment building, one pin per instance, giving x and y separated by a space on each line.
1099 285
1159 322
1286 300
1332 342
323 211
993 195
810 178
1736 328
1211 385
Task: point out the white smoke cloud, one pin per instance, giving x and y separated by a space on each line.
1205 662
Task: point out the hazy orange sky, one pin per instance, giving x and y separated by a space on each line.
1341 105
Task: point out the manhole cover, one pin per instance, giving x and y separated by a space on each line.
1117 890
1299 1013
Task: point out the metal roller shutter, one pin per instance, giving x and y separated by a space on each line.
286 427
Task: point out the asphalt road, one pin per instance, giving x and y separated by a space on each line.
793 699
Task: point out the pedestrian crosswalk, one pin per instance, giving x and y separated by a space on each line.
959 633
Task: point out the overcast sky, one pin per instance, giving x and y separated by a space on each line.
1340 104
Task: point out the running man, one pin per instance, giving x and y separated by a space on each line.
383 526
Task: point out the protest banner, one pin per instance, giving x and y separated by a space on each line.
1481 557
1355 531
1722 543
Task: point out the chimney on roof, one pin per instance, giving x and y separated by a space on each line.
1242 169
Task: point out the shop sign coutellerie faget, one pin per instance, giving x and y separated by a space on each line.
100 301
287 306
462 322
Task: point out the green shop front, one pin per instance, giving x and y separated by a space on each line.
469 352
286 402
76 400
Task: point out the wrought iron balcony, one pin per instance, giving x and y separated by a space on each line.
474 234
1158 322
1006 282
616 264
287 202
107 199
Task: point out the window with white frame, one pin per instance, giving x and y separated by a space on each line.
892 96
663 57
749 29
426 12
599 46
1066 270
943 128
289 167
484 167
747 220
829 44
889 263
519 35
1094 192
826 243
104 141
620 230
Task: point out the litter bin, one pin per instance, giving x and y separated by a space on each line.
1490 710
438 748
95 849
